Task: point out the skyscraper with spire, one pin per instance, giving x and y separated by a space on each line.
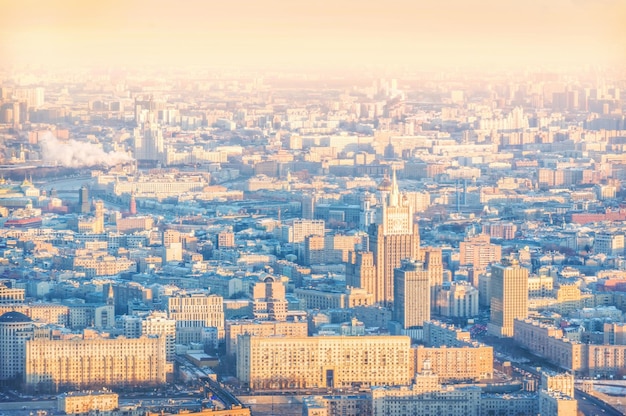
393 237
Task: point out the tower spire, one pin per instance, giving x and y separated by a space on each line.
394 196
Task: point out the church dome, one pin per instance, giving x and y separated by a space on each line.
14 317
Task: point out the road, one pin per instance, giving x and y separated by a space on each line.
29 405
592 406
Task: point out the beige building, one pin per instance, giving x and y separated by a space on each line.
589 359
10 294
568 298
134 224
615 333
319 299
234 329
15 330
51 313
425 396
297 230
87 402
555 403
400 401
342 405
540 286
509 296
321 362
157 323
560 382
474 362
548 341
93 361
393 238
194 311
478 252
437 334
361 271
460 300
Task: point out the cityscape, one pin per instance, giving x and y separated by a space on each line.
263 208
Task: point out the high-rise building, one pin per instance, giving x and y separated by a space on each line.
361 271
323 362
149 144
509 296
15 329
132 206
411 306
11 294
393 238
194 311
83 200
94 361
269 302
157 323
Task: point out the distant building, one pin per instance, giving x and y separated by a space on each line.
84 205
325 361
194 311
269 302
74 403
509 297
15 329
393 238
411 307
93 361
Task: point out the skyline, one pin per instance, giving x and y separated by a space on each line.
321 34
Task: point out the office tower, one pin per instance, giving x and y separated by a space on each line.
10 294
15 329
433 262
83 200
269 302
308 206
393 238
98 227
557 403
509 296
411 305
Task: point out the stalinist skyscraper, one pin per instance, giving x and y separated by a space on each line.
393 238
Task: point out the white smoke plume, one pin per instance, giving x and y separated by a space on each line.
77 154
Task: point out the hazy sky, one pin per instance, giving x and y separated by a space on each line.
316 32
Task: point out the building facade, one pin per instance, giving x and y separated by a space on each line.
509 297
93 361
323 362
393 238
